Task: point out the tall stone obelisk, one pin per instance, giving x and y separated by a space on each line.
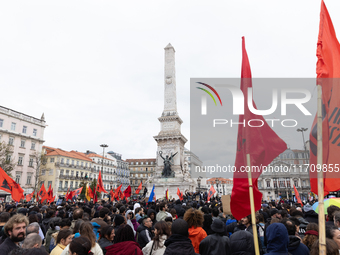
170 139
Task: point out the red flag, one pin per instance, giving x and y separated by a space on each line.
42 193
53 199
127 201
112 195
180 194
260 142
127 191
297 195
328 74
139 188
100 185
49 194
212 191
69 196
29 196
90 192
9 185
77 192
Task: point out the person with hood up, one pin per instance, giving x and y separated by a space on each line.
152 215
124 243
242 242
215 243
145 234
310 215
156 246
131 221
277 239
119 220
295 246
178 242
194 218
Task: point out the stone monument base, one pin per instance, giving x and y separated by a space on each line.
162 184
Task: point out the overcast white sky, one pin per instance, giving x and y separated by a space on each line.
95 68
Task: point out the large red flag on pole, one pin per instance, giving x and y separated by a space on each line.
180 194
127 191
100 185
261 143
212 191
29 196
139 188
328 74
297 195
42 193
9 185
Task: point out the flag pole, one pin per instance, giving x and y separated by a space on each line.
322 227
252 207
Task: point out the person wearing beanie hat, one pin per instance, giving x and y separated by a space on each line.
215 243
310 215
179 242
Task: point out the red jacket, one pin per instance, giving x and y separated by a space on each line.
124 248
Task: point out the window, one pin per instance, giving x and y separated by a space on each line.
81 174
20 160
33 146
296 183
35 132
11 141
22 144
275 183
76 185
288 182
66 184
30 163
62 172
62 161
71 184
67 172
67 161
29 177
24 129
9 158
43 172
82 164
72 173
17 177
60 184
50 172
282 183
77 163
86 164
49 183
52 160
77 174
72 162
268 184
1 122
13 125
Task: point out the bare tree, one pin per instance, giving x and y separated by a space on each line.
39 160
6 161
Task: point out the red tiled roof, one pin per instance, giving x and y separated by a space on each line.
94 155
141 160
222 180
59 152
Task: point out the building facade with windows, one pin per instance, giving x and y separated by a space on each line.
122 171
222 186
65 170
140 171
288 169
25 134
107 166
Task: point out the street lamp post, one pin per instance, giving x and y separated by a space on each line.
303 137
199 184
217 182
103 146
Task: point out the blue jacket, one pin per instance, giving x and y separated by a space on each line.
277 239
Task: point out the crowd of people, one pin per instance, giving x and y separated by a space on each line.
162 227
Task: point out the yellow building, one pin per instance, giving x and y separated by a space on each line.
65 170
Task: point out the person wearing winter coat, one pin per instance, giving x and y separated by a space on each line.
145 234
156 246
178 242
242 242
124 243
107 235
162 214
295 247
129 218
215 243
277 239
194 218
310 215
87 231
152 215
64 237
